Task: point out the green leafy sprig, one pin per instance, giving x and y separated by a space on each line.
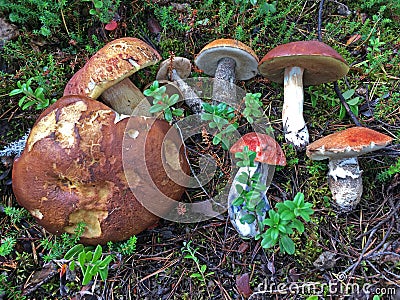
162 102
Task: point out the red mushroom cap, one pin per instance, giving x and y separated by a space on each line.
347 143
320 62
267 149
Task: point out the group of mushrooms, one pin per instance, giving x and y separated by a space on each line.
72 169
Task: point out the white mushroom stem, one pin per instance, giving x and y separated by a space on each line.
125 98
191 99
224 89
294 126
345 182
247 230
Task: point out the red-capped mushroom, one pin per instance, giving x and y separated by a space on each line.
295 64
342 149
268 155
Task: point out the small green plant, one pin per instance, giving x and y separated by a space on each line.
250 198
353 103
7 246
15 214
104 10
190 253
8 290
162 101
90 262
61 244
220 118
253 107
385 175
31 97
283 220
125 248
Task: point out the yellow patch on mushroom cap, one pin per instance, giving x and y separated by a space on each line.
92 220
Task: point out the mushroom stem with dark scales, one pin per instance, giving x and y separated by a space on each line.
227 60
342 149
178 72
268 155
295 64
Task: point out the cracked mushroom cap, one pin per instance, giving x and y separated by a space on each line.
267 149
114 62
320 62
348 143
245 58
72 171
181 64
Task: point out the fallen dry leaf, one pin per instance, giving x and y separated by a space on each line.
354 38
243 285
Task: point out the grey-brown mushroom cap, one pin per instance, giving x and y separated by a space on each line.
114 62
347 143
245 58
320 62
181 65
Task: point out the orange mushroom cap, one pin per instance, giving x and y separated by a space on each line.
267 149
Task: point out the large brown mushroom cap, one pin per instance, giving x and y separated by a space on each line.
348 143
320 62
267 149
71 170
114 62
245 58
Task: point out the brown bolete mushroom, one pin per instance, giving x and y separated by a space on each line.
72 171
295 64
177 69
106 74
227 60
268 155
342 149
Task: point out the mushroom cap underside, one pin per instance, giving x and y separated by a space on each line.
245 58
72 171
347 143
320 62
114 62
267 149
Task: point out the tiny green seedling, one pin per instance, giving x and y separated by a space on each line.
163 102
190 253
90 262
282 222
253 107
220 118
31 97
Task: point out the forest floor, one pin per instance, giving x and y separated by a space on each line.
338 256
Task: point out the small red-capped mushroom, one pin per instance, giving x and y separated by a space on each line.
268 155
295 64
342 149
106 74
227 60
72 170
178 69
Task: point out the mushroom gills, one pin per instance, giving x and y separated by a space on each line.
345 182
248 230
